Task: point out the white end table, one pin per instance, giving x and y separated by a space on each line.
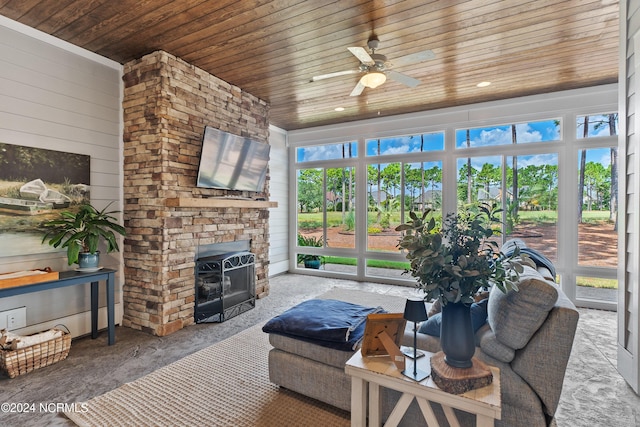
380 371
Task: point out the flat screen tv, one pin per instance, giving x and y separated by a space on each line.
232 162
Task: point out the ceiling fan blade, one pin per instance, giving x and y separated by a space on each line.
413 58
362 55
336 74
357 90
403 78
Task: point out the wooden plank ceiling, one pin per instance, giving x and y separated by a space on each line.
273 48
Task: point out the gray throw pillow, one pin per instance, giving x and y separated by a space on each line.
514 317
494 348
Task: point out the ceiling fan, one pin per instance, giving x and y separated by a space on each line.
377 67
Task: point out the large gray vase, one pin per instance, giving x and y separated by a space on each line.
456 335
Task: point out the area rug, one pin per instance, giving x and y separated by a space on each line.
226 384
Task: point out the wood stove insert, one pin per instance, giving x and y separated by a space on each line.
225 286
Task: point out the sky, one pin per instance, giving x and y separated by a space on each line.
540 131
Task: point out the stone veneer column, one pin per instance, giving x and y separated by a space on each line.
167 102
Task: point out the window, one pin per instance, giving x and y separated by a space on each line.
314 153
355 194
597 207
406 144
480 180
395 189
531 209
597 125
543 131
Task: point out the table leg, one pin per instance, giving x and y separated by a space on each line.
94 310
398 412
375 417
111 315
358 402
451 416
427 412
484 421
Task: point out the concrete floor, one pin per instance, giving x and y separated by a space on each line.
594 393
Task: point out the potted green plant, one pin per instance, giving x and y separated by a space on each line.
81 232
451 263
309 260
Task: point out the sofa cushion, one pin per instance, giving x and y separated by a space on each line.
308 350
515 316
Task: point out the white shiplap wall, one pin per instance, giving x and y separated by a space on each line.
57 96
278 187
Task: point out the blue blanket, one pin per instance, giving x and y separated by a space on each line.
538 258
326 322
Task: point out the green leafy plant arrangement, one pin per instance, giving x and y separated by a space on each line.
82 231
316 242
453 263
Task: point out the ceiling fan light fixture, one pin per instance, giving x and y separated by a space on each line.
373 79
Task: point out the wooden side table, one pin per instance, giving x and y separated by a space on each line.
380 371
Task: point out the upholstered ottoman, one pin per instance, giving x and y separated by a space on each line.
317 371
310 369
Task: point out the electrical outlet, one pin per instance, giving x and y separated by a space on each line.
14 319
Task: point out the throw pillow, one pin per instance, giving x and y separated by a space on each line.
514 317
494 348
478 318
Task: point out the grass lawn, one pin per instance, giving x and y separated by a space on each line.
392 265
314 220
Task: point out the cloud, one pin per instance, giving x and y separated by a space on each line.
502 135
322 152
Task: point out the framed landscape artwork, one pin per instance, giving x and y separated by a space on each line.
35 184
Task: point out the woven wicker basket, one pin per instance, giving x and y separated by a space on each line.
24 360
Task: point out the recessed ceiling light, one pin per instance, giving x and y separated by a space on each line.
339 109
483 84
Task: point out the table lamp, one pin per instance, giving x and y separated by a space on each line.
415 311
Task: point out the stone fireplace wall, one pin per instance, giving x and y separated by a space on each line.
167 103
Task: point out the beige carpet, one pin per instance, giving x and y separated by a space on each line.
226 384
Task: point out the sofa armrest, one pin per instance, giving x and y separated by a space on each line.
543 362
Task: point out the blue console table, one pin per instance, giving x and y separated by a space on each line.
70 278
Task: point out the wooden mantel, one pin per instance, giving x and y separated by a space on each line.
218 202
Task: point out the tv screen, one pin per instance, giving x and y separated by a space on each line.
232 162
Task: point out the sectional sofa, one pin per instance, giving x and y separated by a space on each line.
528 335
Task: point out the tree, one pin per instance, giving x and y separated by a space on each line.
309 189
372 177
489 175
391 178
413 182
386 209
513 212
433 175
335 185
610 122
466 175
596 177
583 161
469 180
613 201
549 180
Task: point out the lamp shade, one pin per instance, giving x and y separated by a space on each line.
415 310
373 79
